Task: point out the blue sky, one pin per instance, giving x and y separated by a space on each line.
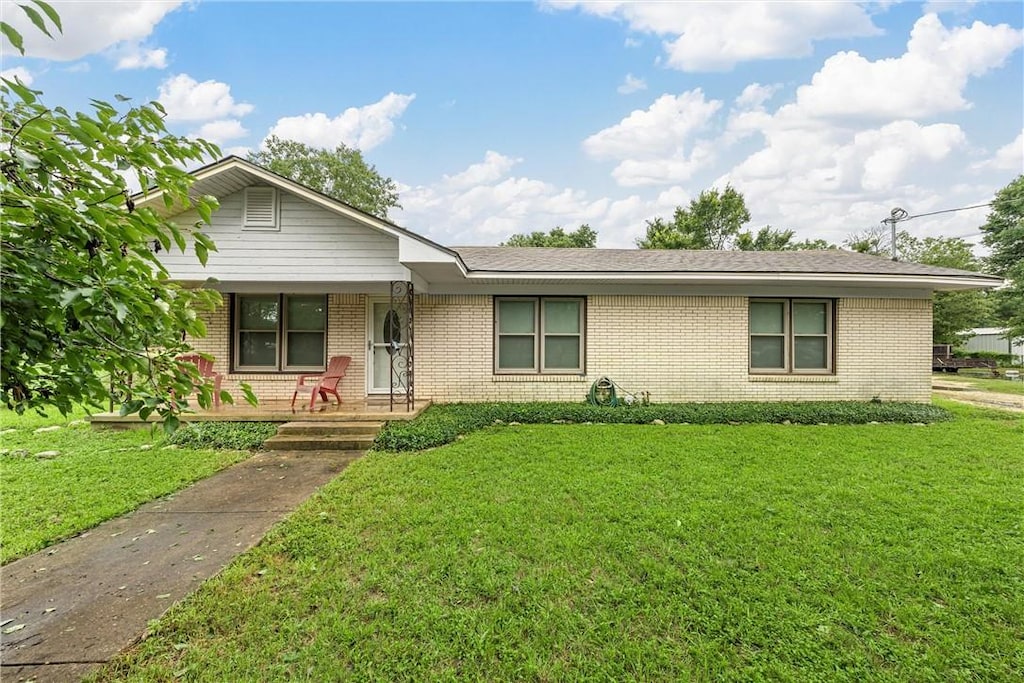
496 118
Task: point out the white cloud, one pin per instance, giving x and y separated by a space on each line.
497 205
886 154
189 100
632 84
755 95
826 160
1009 157
632 42
928 79
219 132
651 145
673 169
17 73
89 27
664 126
493 167
360 127
238 151
137 57
717 36
79 68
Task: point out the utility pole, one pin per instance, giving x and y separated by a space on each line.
895 216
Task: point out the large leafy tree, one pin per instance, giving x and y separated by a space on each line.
953 312
1004 235
711 221
87 306
341 173
766 239
714 221
584 236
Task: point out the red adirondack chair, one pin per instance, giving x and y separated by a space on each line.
325 382
206 371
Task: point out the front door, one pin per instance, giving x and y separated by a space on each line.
389 334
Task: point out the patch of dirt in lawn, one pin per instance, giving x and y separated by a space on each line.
985 399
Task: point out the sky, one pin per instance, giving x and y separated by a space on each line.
503 118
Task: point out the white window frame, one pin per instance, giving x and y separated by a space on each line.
273 224
282 336
539 335
789 338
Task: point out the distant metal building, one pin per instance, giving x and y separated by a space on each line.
992 339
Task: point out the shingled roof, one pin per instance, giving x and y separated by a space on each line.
567 260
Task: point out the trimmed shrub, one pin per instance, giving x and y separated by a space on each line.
235 436
441 424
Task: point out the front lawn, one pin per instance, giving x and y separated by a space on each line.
634 552
95 476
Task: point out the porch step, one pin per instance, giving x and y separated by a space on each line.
330 428
318 442
324 436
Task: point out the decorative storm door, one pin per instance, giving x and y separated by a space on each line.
391 345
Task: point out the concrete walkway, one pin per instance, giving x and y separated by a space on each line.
72 607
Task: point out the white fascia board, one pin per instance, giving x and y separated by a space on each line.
414 251
935 282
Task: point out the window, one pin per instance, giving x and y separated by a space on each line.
538 334
791 336
260 211
280 332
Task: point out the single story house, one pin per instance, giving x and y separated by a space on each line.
306 277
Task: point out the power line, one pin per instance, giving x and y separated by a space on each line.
936 213
900 219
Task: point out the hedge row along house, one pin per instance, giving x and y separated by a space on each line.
305 277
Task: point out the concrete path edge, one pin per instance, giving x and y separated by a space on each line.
82 601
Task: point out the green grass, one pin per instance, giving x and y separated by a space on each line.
634 552
988 383
98 475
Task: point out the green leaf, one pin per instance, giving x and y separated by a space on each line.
247 392
14 37
27 95
201 252
171 424
51 13
203 209
36 19
120 311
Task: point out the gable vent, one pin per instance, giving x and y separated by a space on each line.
260 208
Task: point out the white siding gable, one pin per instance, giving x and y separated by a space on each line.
311 244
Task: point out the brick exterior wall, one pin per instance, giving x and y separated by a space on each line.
679 348
346 336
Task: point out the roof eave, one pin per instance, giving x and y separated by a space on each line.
934 282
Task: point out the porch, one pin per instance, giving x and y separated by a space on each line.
367 410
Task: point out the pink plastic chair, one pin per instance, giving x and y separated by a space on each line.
325 382
206 371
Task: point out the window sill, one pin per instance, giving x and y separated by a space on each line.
272 373
538 378
811 379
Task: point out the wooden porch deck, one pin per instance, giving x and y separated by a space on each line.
373 410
